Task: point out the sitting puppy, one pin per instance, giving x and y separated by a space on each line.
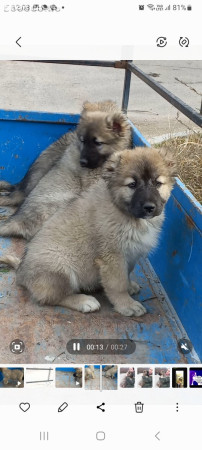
89 372
12 375
102 130
97 239
111 373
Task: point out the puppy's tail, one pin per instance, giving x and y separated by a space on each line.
5 186
12 261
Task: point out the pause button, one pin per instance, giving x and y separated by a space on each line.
76 346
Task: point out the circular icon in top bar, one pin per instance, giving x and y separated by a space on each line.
184 42
161 41
17 346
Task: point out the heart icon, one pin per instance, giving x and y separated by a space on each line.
24 406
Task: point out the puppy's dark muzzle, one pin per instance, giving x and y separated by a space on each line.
88 163
84 162
149 208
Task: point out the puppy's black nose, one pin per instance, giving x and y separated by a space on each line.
83 162
149 207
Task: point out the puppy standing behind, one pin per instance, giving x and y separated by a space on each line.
102 130
97 240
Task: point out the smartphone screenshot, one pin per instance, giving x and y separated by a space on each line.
100 224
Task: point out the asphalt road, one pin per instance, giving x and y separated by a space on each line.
63 88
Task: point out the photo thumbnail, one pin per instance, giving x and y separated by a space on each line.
179 377
144 377
11 377
162 377
195 377
69 377
109 377
127 377
92 377
39 377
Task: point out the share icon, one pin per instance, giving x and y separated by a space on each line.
100 407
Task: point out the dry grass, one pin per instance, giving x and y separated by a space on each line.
188 152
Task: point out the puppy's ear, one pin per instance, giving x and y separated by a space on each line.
105 106
170 160
111 165
117 123
87 106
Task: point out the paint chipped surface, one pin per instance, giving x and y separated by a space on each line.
46 330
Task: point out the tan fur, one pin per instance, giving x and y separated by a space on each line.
12 375
110 373
67 179
97 240
89 372
12 261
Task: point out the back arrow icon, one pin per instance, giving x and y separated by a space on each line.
156 435
18 42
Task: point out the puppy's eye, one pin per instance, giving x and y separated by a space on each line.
132 185
98 143
81 138
158 184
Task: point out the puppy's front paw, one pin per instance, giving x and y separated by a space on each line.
90 304
133 287
131 308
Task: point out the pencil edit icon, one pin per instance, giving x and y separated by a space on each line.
62 407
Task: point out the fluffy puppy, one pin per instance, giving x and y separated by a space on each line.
110 373
97 239
12 375
102 130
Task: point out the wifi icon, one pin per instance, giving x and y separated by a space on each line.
150 6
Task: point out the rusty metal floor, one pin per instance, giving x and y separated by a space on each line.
46 330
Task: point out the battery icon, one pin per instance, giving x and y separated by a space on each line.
189 8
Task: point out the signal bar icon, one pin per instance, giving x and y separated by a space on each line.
76 346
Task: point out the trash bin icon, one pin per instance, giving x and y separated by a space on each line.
139 407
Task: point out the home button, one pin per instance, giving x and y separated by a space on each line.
100 435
